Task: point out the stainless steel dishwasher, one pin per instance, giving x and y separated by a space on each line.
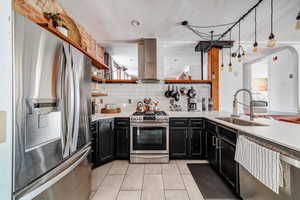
253 189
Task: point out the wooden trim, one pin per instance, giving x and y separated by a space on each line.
187 81
95 62
213 75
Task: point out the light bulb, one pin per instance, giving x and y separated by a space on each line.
298 22
230 67
255 45
271 42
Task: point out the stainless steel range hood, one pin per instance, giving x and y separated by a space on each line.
147 60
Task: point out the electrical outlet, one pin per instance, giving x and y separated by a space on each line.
130 101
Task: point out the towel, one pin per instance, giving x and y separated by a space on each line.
264 164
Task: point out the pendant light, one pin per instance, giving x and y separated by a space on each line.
230 63
298 21
271 42
239 55
222 65
255 33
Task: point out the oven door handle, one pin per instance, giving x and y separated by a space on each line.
150 156
156 125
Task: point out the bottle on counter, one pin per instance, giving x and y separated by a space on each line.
210 104
203 104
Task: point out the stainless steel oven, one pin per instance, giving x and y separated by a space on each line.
149 138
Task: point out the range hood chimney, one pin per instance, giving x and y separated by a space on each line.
147 60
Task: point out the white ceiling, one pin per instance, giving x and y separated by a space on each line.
108 21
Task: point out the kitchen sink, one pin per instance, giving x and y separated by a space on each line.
240 122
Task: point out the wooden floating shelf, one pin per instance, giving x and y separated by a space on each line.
95 78
96 94
53 30
188 81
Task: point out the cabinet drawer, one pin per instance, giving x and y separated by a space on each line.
228 134
197 123
211 126
179 122
122 122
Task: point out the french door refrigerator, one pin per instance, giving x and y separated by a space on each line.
51 116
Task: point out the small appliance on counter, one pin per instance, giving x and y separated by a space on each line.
192 101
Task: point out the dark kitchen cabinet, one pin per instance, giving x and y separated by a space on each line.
196 142
122 141
186 138
102 141
211 148
178 142
106 140
227 145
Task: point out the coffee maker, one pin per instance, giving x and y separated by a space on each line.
192 101
192 104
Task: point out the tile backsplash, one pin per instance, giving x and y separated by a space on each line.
126 96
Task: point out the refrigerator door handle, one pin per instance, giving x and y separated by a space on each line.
76 105
34 193
69 95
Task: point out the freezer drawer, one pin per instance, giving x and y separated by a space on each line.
72 183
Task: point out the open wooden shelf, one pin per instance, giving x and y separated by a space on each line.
95 78
98 94
188 81
53 30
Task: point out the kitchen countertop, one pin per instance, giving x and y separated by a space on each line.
282 133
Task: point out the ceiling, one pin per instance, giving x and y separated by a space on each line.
110 19
109 22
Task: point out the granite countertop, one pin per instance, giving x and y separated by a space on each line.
282 133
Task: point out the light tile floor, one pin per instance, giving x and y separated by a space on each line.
120 180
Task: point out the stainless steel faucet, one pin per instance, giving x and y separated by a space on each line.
235 104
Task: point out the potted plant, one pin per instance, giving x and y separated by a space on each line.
57 22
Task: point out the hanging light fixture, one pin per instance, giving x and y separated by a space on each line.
222 53
239 55
255 33
230 63
298 21
271 42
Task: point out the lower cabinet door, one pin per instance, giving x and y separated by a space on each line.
211 148
196 142
107 140
228 165
178 146
122 142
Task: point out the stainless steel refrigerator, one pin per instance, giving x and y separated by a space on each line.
51 116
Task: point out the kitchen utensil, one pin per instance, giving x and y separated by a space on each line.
183 91
147 100
192 92
173 91
140 107
176 95
167 93
110 111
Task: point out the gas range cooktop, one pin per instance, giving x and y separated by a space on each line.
149 116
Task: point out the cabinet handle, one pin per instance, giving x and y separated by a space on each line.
213 141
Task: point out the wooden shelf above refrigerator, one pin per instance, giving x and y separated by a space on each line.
53 30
